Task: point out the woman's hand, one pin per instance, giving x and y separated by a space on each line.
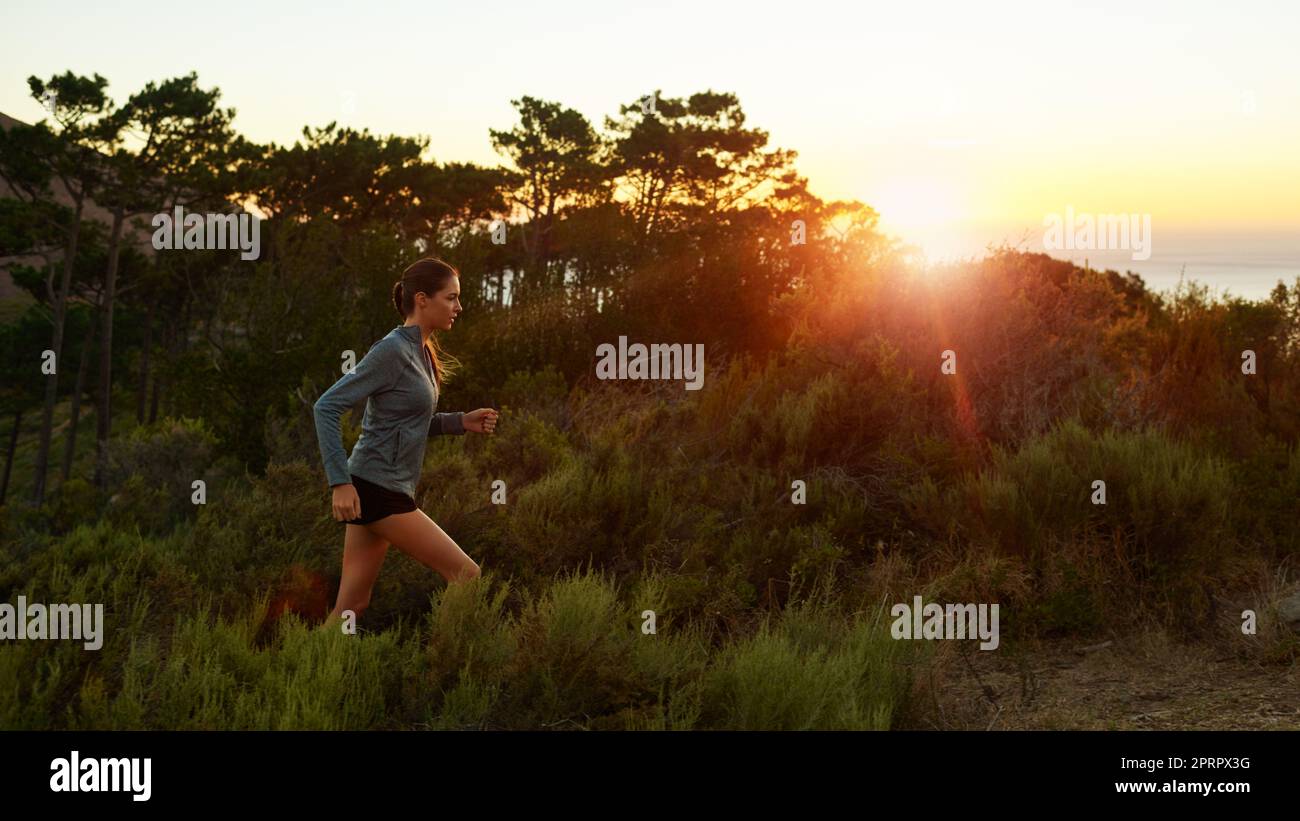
347 504
483 420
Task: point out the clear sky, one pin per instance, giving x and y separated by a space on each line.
961 123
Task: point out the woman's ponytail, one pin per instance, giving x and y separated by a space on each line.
397 297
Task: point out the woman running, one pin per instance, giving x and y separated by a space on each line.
374 489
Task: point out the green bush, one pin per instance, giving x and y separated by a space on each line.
152 471
810 671
1166 517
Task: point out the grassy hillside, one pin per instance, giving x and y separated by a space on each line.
769 611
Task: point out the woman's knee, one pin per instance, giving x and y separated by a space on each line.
467 571
356 605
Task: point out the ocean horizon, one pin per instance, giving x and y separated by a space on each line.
1241 264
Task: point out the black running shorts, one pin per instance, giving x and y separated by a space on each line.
378 502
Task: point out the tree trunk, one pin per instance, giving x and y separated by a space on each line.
56 345
70 447
9 457
144 364
153 402
103 421
169 344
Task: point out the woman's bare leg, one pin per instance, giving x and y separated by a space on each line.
363 555
419 537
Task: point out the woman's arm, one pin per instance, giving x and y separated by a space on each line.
481 421
373 374
452 423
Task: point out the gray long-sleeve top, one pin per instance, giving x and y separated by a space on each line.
396 379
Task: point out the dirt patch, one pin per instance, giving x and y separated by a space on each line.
1145 681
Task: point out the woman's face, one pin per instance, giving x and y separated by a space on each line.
441 309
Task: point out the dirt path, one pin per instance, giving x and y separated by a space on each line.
1138 682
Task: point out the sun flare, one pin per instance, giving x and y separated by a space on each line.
908 204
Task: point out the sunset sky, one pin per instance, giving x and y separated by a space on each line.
961 123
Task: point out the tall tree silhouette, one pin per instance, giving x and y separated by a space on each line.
182 133
30 158
557 155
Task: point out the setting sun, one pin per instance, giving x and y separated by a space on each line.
910 203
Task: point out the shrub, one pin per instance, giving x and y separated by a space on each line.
152 471
811 670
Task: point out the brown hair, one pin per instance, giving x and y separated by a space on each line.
429 276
